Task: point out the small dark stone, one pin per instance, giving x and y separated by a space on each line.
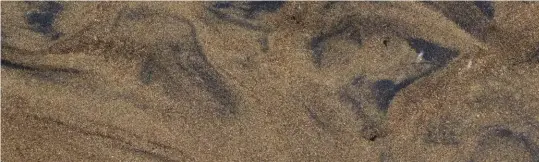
373 138
295 19
385 42
371 131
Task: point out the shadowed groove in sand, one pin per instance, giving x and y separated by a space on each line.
487 7
256 7
318 43
316 118
385 90
433 53
371 128
273 92
317 46
245 12
187 57
495 133
197 64
46 73
147 70
122 137
533 57
18 66
233 20
250 9
212 79
443 131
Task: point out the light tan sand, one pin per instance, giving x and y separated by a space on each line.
299 81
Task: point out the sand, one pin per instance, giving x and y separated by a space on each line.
270 81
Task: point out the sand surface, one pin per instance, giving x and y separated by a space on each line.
270 81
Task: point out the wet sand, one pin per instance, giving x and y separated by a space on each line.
270 81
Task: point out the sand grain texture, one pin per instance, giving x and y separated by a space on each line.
270 81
